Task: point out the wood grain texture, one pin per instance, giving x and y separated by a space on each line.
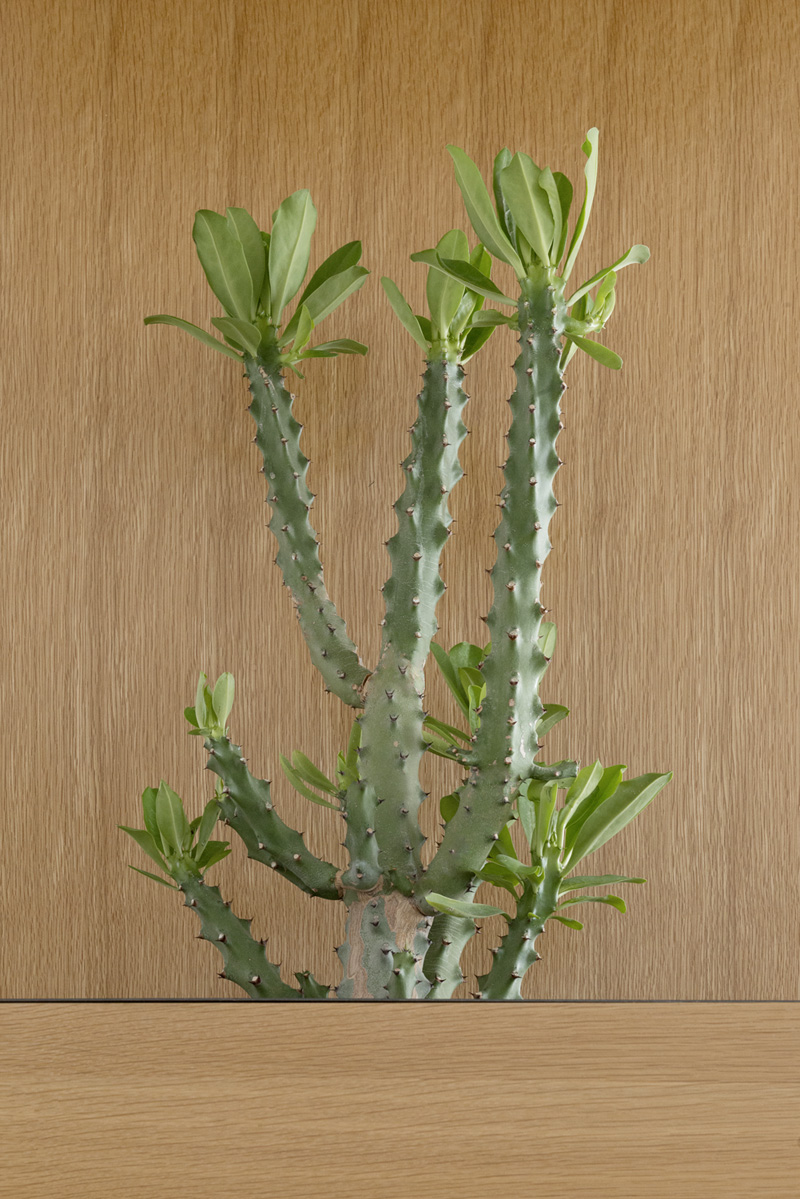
582 1101
134 544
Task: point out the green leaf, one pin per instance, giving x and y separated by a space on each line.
489 316
442 749
503 211
576 817
334 291
450 676
311 774
504 844
464 273
565 196
201 335
329 349
149 810
636 254
222 257
223 698
337 262
474 340
203 717
471 676
426 325
154 877
584 782
289 249
191 716
611 817
460 907
544 815
517 868
481 212
613 901
448 806
549 186
481 259
147 843
206 826
403 312
263 302
299 329
553 714
298 784
214 852
240 334
590 171
172 823
569 923
445 294
448 731
527 815
243 228
547 638
466 656
595 350
577 883
529 205
498 876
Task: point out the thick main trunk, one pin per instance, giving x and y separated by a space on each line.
385 942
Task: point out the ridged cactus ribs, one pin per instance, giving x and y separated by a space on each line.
505 746
247 808
392 744
285 467
244 958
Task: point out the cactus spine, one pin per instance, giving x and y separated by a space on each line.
410 914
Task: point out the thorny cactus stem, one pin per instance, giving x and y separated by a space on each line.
409 920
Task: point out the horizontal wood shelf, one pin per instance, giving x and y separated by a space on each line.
582 1101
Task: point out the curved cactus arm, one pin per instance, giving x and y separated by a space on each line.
506 744
310 988
442 965
246 807
285 466
517 950
244 958
392 743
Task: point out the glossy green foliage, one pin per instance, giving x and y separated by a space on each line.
256 274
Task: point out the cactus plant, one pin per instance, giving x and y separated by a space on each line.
410 912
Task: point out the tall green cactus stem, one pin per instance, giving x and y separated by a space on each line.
244 959
381 928
246 806
442 966
392 744
285 466
505 746
517 951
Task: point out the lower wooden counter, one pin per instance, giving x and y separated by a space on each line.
293 1101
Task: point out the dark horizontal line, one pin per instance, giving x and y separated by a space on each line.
417 1002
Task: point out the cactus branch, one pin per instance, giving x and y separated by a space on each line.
517 951
392 744
285 466
244 959
246 806
506 743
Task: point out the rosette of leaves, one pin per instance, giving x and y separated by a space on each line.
256 275
527 227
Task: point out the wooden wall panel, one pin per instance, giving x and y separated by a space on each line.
133 539
593 1100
